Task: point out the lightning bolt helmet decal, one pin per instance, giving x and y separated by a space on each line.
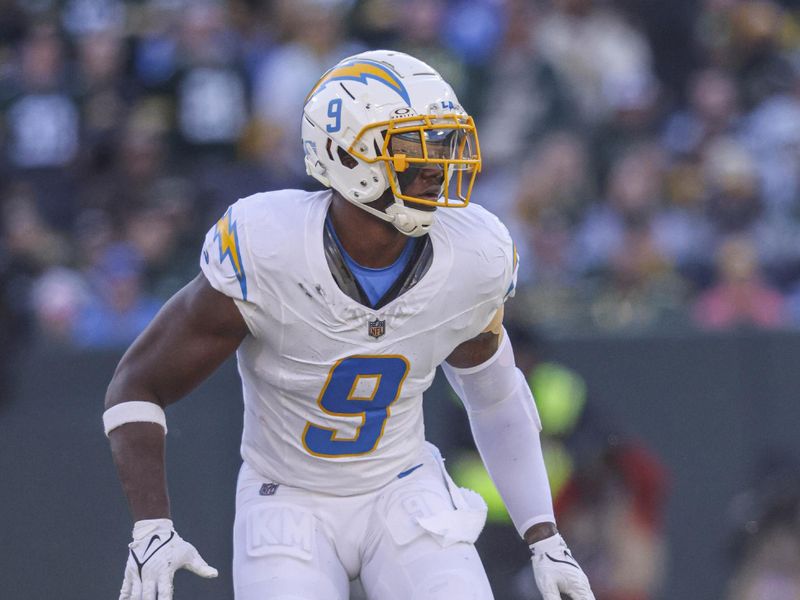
362 70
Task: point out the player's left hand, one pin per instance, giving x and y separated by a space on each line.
556 572
156 552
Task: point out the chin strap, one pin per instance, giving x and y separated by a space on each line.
408 221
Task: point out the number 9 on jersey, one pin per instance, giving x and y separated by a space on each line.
357 386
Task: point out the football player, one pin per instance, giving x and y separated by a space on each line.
340 305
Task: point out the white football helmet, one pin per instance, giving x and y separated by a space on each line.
379 120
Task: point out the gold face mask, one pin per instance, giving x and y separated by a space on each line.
422 153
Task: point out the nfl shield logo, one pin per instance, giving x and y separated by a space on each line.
377 328
268 489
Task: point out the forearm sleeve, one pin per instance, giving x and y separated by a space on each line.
505 425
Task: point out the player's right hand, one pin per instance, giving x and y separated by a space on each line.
154 555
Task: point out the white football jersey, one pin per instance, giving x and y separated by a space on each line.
333 388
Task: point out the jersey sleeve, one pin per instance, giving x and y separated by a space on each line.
225 259
503 282
499 280
509 251
511 289
508 286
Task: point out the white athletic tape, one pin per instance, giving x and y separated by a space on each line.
134 412
465 523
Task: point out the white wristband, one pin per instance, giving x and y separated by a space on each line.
134 412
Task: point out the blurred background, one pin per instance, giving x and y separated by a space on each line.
645 155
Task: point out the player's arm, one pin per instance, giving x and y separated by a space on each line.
478 352
505 425
195 331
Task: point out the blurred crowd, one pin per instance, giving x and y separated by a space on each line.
645 154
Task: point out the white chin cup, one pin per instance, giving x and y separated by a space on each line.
410 221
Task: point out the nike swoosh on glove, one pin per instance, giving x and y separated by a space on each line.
556 572
154 555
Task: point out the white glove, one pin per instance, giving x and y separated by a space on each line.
156 552
556 572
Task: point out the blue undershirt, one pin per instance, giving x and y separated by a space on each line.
374 282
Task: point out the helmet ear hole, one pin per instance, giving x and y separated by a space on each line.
347 160
328 148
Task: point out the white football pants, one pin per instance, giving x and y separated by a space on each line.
411 540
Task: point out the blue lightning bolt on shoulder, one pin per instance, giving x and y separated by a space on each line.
228 237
